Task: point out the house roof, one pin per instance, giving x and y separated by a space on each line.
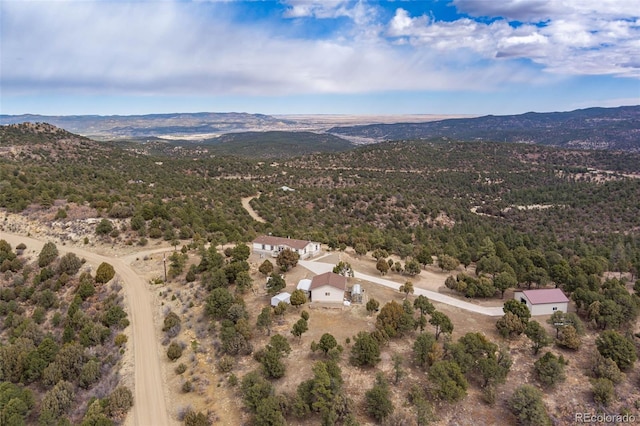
281 241
545 295
304 284
330 279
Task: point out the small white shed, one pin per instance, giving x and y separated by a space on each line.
544 301
281 297
304 285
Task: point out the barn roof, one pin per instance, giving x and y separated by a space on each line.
545 295
281 241
330 279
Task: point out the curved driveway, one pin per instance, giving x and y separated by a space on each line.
492 311
149 407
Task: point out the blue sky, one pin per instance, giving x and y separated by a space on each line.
62 57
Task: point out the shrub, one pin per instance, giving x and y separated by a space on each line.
174 351
526 404
104 273
119 402
181 368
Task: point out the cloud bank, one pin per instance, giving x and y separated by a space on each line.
217 48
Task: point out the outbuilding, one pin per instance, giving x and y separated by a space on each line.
305 285
281 297
544 301
328 287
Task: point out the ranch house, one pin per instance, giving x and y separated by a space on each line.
269 245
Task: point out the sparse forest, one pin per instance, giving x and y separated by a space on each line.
493 216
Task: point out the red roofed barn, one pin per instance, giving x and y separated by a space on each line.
543 301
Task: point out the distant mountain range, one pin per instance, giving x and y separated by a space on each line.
136 126
592 128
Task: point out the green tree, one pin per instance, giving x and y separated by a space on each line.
412 267
266 268
394 320
265 319
104 227
449 382
441 322
423 304
104 273
269 412
298 297
550 369
378 399
344 269
526 404
255 388
365 351
606 368
69 264
447 263
218 303
538 336
510 325
517 308
603 391
327 342
59 399
275 283
372 305
174 351
406 288
614 345
299 328
380 254
48 254
504 281
569 338
287 259
382 266
423 350
424 256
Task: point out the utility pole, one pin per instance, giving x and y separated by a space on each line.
164 261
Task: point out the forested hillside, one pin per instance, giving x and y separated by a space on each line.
496 217
592 128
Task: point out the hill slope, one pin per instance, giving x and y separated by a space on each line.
593 128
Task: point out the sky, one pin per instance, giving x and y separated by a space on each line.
123 57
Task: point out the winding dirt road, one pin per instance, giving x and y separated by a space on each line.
150 407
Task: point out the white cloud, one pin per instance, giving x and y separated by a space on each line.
182 48
573 41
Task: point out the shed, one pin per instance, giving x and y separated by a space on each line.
328 287
304 285
543 301
281 297
356 293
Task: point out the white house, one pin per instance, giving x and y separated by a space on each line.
328 287
281 297
267 244
543 301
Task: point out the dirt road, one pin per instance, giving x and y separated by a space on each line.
247 206
150 407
